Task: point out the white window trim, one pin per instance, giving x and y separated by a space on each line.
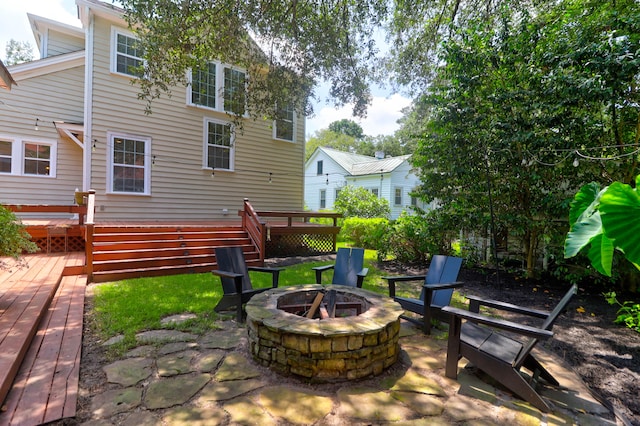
17 155
320 206
147 163
220 67
205 144
294 131
114 50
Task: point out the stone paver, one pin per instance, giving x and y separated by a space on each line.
212 379
171 391
295 406
128 372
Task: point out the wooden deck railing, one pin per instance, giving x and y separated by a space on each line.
81 211
290 233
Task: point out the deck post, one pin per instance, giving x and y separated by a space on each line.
89 230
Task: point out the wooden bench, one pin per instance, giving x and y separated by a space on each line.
40 340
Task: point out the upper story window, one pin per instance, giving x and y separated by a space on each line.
219 139
203 86
218 87
129 167
127 54
27 157
284 125
234 91
319 167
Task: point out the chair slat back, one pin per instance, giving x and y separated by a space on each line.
443 269
547 324
231 259
349 261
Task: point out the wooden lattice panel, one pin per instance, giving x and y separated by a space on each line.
57 244
299 245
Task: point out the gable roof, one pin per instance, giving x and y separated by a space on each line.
360 165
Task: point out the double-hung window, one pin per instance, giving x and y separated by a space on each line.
203 86
234 91
319 167
27 157
284 126
397 200
219 137
129 169
218 87
6 156
127 54
323 198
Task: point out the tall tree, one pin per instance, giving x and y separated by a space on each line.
347 127
516 101
18 52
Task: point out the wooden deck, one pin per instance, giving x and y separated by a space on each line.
41 317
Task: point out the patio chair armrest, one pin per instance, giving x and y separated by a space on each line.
475 302
237 278
319 270
275 273
361 275
391 281
443 286
474 317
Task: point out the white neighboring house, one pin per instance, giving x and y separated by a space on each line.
328 170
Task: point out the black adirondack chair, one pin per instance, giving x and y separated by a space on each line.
348 269
497 354
236 283
438 287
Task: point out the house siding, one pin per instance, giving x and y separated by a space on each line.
56 96
180 187
59 43
314 183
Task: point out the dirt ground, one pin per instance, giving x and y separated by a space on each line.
606 356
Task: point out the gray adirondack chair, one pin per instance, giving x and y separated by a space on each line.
439 283
236 282
348 269
497 354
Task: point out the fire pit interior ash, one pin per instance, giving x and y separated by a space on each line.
321 333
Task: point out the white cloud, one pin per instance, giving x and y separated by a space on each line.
381 118
14 23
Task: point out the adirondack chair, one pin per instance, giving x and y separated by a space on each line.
438 287
348 269
496 354
236 283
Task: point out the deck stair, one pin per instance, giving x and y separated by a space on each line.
121 252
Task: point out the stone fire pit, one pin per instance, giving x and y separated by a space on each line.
360 341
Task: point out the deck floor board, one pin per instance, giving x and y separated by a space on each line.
44 386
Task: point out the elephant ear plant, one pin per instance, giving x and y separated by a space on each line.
602 221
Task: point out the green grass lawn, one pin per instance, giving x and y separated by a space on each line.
130 306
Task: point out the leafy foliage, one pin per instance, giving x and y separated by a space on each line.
18 52
347 127
628 312
369 233
14 239
515 99
355 201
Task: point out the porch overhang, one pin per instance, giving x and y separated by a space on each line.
71 131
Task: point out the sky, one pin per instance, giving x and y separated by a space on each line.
382 114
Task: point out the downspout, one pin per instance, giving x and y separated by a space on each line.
88 101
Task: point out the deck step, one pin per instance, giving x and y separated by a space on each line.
135 251
121 274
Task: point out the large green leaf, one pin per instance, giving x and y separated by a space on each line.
620 213
582 233
601 254
583 202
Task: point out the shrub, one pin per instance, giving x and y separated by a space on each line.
14 239
355 201
369 233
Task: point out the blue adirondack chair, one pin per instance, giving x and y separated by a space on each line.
438 287
236 282
348 269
